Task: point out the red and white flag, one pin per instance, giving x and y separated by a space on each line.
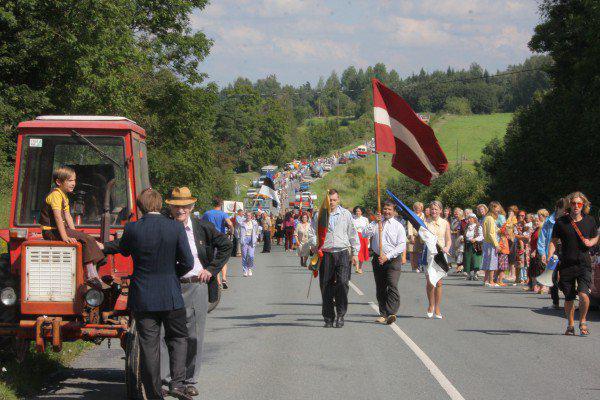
398 130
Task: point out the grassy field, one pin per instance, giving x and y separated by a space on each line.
472 133
245 182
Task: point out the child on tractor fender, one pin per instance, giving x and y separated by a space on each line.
57 224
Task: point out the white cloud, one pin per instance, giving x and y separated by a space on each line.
299 40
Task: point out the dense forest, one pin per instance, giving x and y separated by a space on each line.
140 59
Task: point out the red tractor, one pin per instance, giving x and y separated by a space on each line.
43 295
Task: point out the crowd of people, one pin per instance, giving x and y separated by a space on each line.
178 258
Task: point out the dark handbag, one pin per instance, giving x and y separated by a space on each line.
477 248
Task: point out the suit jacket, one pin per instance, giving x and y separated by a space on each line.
214 249
161 254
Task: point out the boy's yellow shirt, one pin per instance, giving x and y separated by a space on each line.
57 200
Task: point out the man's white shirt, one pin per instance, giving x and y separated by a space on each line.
394 237
189 231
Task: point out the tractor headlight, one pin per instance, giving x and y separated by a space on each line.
8 296
94 297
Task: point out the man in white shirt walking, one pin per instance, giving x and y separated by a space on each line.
387 264
341 245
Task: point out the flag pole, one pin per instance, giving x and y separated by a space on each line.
377 175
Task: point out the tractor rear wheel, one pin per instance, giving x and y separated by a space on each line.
133 374
214 304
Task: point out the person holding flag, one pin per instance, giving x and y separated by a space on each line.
339 250
387 262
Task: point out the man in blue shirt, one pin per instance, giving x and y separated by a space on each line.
544 240
220 219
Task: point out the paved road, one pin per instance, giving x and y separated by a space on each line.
266 341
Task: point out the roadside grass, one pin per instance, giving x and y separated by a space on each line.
354 180
471 131
244 180
19 381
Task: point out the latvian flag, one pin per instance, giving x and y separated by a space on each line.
268 190
398 130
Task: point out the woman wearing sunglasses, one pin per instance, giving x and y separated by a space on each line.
577 232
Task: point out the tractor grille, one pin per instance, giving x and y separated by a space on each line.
50 273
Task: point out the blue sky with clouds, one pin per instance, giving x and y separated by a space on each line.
301 40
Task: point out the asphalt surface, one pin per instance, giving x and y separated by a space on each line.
266 341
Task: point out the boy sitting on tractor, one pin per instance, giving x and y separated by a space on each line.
57 224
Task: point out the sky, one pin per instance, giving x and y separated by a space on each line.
302 40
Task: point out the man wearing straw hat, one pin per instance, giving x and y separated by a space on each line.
211 250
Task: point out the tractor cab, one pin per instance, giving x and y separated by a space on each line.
44 296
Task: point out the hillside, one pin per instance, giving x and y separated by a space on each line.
471 131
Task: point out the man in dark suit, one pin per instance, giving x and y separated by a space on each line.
211 250
161 255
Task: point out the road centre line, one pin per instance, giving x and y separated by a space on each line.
429 364
356 289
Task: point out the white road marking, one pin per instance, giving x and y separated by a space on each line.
356 289
433 369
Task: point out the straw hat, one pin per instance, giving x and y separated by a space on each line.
181 196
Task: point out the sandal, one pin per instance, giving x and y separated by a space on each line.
570 331
583 329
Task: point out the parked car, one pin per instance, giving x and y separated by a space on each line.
343 160
304 186
326 167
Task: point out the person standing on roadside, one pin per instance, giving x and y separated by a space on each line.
340 250
266 231
544 238
491 245
220 219
577 232
473 235
211 249
387 263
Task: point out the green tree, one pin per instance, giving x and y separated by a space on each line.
551 147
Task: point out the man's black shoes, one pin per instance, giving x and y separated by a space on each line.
328 324
339 322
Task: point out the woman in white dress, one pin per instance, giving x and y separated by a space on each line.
305 238
361 222
441 229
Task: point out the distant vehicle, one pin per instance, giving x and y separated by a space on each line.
352 156
326 167
259 182
304 186
343 160
269 169
251 193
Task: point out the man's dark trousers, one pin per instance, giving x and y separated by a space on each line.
334 278
386 283
266 241
148 326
